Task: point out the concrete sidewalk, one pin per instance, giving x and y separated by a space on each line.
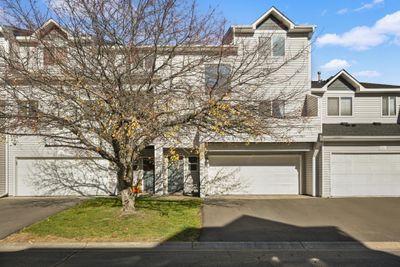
206 246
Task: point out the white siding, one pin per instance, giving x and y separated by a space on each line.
2 165
308 177
362 147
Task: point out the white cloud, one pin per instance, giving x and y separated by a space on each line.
366 6
343 11
370 5
368 74
335 64
364 37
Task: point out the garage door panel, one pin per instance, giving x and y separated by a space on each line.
62 176
255 174
365 175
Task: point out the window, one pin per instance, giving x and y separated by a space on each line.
54 55
264 44
217 76
27 108
264 108
389 106
193 163
278 109
346 106
278 46
274 108
340 106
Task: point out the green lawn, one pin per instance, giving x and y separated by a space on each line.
98 219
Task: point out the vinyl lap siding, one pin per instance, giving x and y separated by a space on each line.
3 178
308 173
366 109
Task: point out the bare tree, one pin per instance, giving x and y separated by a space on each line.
114 76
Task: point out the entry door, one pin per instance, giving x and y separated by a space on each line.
148 175
176 175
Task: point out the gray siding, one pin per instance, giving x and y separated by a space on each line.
367 108
341 84
359 147
308 177
271 23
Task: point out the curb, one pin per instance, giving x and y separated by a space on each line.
201 246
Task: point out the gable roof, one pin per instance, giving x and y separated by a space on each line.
361 86
273 11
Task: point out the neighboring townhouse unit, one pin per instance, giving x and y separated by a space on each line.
359 144
348 143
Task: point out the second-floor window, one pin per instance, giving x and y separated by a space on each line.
389 106
54 55
217 76
27 108
278 46
274 108
340 106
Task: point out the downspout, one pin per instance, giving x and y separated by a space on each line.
317 149
6 168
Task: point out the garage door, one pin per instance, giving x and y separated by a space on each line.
62 176
270 174
365 175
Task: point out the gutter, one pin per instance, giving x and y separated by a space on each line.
360 138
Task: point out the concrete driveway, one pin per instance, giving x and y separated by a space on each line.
301 219
17 213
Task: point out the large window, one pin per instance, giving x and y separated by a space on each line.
274 108
278 46
389 106
340 106
217 76
27 108
54 55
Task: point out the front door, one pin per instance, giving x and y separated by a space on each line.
148 175
176 175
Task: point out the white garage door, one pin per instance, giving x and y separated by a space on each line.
272 174
365 175
61 177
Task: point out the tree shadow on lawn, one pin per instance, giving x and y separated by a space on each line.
264 242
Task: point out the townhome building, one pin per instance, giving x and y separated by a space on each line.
345 142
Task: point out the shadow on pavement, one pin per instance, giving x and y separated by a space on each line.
269 249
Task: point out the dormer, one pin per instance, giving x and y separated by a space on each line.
343 81
272 20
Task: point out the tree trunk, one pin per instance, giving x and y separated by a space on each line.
128 201
125 181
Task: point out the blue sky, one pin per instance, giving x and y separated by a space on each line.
362 36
